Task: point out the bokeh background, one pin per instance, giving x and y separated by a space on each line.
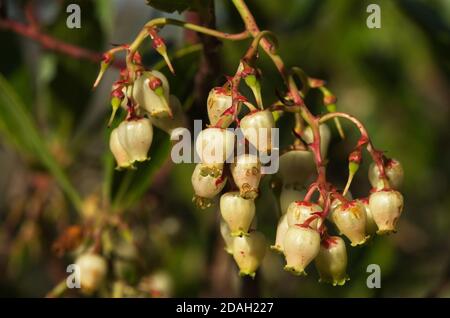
56 169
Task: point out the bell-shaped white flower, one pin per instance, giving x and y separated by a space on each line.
207 181
350 219
237 212
246 172
394 173
301 246
257 129
154 101
219 100
214 145
249 251
300 211
331 262
135 138
386 207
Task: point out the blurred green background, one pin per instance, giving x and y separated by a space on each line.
56 169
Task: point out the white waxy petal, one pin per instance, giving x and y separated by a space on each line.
386 207
249 251
157 106
214 145
136 137
350 219
218 102
256 128
237 212
300 211
301 246
331 262
246 172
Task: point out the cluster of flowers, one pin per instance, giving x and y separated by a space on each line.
301 234
148 103
215 145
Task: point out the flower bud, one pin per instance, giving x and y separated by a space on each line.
168 124
281 233
301 246
134 137
214 145
350 219
246 172
227 238
237 212
93 270
249 251
153 96
371 226
207 181
386 207
296 166
256 128
288 195
394 173
218 102
331 262
300 211
325 137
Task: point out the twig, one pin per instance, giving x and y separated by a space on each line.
51 43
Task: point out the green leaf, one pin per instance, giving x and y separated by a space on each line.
171 6
18 127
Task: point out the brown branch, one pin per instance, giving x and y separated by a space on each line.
50 43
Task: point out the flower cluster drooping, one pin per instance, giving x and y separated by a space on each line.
230 170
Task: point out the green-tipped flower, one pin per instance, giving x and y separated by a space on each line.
331 262
350 219
301 246
249 251
237 212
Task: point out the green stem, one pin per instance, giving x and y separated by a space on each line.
166 21
375 154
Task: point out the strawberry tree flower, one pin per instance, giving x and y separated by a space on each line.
249 251
219 100
331 261
151 92
350 219
237 212
257 129
386 207
394 172
301 245
207 181
130 141
246 172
